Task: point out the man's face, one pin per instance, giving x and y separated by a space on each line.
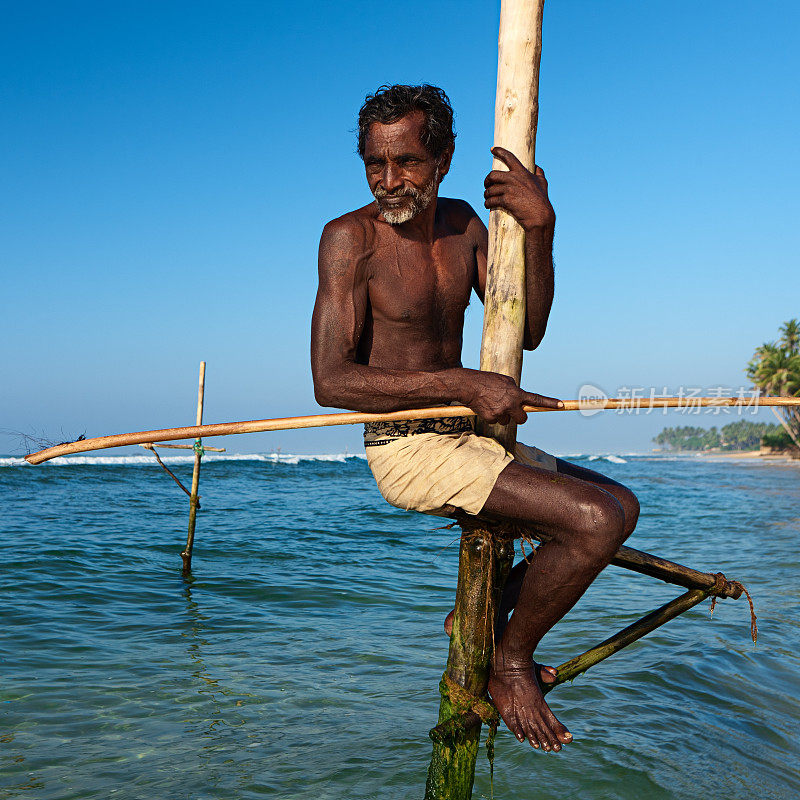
402 175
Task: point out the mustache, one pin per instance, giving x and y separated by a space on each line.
380 193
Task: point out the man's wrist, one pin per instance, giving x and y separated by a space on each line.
455 383
544 229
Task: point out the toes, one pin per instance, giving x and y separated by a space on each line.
515 726
545 742
559 731
545 735
551 739
533 734
538 735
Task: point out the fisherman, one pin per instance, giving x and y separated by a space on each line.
395 278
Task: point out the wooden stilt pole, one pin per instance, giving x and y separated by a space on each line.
486 555
182 447
186 555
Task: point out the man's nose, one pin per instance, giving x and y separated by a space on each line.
391 178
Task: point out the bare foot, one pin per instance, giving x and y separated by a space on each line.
546 674
522 707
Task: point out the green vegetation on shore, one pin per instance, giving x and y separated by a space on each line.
737 436
774 371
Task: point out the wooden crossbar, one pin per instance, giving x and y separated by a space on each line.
647 624
700 585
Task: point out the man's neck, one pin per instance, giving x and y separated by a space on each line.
422 226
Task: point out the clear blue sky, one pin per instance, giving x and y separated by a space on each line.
167 168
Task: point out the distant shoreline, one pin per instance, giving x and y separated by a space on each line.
773 458
763 455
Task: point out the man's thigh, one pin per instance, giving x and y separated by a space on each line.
552 500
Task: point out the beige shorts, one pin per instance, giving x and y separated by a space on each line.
437 472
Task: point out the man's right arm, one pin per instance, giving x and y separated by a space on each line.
338 324
336 329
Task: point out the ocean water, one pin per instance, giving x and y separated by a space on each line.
302 658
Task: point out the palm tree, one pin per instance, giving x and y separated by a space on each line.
790 336
775 370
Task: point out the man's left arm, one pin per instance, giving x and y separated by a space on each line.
523 194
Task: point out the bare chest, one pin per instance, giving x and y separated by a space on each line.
421 285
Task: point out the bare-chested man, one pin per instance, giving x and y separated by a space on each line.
395 278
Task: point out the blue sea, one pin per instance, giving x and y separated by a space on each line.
301 659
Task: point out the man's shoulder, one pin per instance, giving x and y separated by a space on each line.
354 227
347 241
455 208
458 214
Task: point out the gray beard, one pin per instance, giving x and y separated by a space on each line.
420 200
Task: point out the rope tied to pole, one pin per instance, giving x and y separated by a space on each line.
720 585
464 703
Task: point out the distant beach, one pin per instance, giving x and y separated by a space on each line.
755 455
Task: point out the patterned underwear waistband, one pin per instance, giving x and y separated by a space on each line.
376 433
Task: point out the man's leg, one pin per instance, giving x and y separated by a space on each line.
630 507
508 600
586 524
511 590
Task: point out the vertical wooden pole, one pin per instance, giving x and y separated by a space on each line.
486 555
186 555
516 115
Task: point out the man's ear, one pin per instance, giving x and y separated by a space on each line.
444 162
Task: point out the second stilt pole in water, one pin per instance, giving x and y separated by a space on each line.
194 497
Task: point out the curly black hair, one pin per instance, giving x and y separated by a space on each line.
390 103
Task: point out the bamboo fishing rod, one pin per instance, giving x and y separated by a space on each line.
357 417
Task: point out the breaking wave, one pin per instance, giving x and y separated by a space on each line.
149 460
612 458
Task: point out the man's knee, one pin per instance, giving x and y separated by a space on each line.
601 525
630 507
